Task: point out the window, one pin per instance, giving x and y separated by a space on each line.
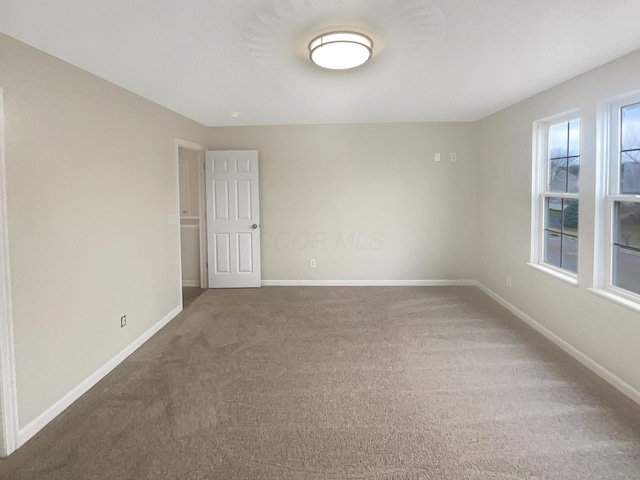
622 200
555 203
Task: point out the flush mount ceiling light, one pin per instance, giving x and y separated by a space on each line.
340 50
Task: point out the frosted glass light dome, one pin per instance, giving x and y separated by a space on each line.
340 50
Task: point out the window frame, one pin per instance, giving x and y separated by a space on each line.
608 195
541 192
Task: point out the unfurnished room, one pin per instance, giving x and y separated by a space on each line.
319 239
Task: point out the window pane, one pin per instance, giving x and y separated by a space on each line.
552 247
626 269
564 157
574 138
630 172
570 254
627 216
558 175
553 215
630 126
558 138
570 217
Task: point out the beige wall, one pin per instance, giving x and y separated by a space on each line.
602 330
91 181
368 202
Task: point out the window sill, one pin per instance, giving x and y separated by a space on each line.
573 281
630 304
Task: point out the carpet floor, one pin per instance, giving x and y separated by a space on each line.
336 383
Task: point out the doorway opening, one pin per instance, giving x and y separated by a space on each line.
193 253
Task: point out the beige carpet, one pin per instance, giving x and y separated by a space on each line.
342 383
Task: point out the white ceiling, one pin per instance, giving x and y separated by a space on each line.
435 60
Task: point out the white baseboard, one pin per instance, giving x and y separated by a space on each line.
57 408
368 283
191 283
591 364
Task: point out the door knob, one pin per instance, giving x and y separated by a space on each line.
254 226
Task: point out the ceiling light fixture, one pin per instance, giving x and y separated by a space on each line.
340 50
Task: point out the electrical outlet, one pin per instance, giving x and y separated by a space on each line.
436 157
123 321
454 157
508 280
312 263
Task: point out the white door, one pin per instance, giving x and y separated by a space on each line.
233 219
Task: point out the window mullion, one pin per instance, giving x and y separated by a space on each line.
625 198
566 182
568 196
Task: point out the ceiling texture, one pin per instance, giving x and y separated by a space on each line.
434 60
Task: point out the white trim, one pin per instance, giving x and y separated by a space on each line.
8 387
591 364
607 195
202 223
57 408
555 272
199 148
538 145
618 298
539 190
368 283
191 283
189 145
601 264
626 198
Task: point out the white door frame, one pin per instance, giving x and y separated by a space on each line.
8 386
201 213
